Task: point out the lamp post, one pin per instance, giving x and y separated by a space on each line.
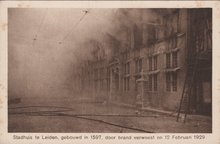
140 96
113 71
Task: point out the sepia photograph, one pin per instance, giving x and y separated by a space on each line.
110 70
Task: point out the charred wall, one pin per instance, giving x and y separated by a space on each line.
154 48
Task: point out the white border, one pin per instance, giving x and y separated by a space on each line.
6 138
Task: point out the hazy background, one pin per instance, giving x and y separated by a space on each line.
46 44
42 44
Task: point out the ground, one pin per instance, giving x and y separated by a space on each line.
65 115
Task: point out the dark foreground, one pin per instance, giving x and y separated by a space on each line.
65 115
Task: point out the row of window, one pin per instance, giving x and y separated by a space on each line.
171 78
171 62
171 82
138 67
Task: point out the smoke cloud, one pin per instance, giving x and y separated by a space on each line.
45 45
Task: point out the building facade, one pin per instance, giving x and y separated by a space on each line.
151 61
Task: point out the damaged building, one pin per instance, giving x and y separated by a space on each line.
151 63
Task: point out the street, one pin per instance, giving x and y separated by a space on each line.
64 115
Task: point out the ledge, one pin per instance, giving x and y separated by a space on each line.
172 69
171 50
153 72
180 34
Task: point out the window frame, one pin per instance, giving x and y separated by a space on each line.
155 78
168 82
150 63
168 60
174 81
155 62
150 83
175 59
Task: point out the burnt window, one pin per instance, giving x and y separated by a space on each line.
175 21
171 81
136 85
155 62
138 65
150 64
174 81
153 85
150 82
168 62
108 79
126 83
152 34
128 68
174 59
174 43
168 81
155 82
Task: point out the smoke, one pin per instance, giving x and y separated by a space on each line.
46 45
115 32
